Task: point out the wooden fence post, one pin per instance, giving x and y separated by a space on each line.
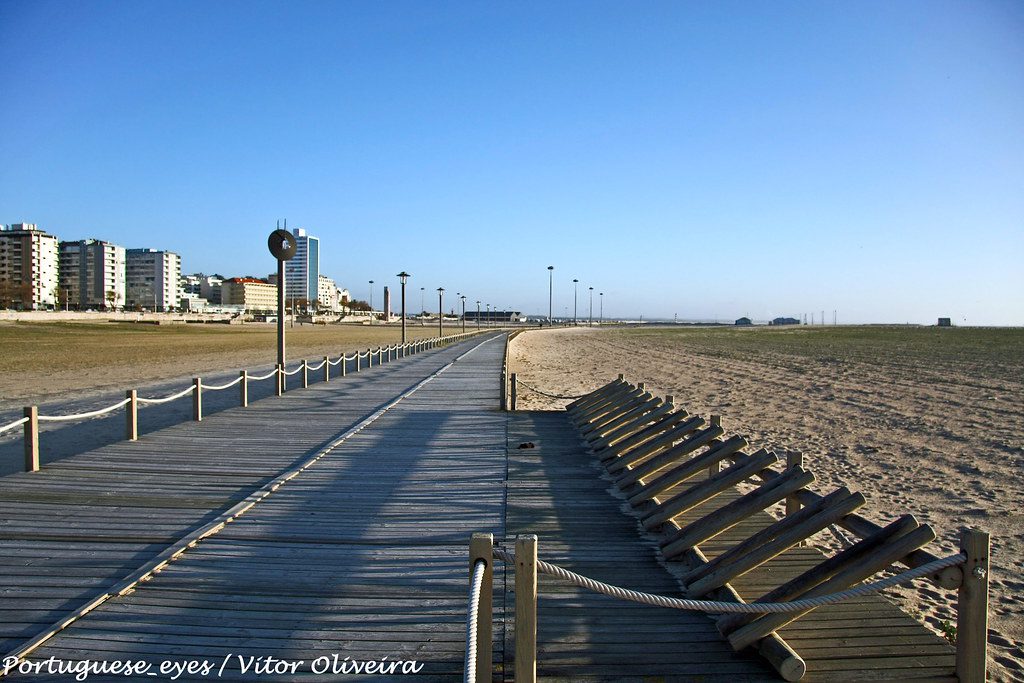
32 439
972 609
279 390
197 399
243 388
526 609
327 368
344 364
131 415
715 467
514 389
481 547
793 459
359 361
305 374
369 358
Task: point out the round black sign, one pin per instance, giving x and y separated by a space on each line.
282 245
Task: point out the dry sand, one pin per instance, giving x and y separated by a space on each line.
943 444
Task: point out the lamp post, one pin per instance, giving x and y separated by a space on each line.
423 307
488 315
463 298
440 311
403 277
600 320
478 314
575 288
590 323
371 302
551 285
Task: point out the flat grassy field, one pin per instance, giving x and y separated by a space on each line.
46 359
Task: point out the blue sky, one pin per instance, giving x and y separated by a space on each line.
692 158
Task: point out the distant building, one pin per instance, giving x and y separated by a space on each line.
327 294
496 316
744 321
387 303
152 279
205 286
302 272
781 321
256 296
189 285
28 267
92 274
945 322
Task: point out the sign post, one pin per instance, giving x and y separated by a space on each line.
282 246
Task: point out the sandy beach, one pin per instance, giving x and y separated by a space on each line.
939 436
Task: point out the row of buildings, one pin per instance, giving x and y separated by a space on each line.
40 272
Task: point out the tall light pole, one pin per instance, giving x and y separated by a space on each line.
463 297
478 314
590 323
601 319
488 315
457 296
440 311
551 285
403 277
371 302
575 288
423 307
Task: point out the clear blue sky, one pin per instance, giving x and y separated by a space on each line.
700 158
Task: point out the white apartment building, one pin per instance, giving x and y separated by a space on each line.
302 272
327 294
92 275
152 279
28 267
256 296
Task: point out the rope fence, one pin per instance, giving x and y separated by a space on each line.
721 607
31 419
472 620
544 393
221 387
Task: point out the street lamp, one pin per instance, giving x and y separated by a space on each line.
423 307
488 315
551 284
590 323
575 287
463 297
478 314
371 302
403 277
440 311
601 319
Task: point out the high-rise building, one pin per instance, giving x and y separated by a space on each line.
92 274
28 267
152 279
302 272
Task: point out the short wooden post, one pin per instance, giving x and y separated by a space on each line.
481 547
32 439
369 358
197 399
972 608
514 391
526 609
344 364
327 368
243 388
715 467
305 374
279 389
793 459
131 415
359 361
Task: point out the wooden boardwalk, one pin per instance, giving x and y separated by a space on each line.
362 555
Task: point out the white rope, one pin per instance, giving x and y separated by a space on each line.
293 372
336 362
16 423
230 384
166 399
315 367
718 607
82 416
257 378
472 617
